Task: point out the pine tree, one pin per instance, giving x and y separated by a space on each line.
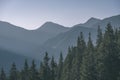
25 72
118 78
60 67
98 55
2 75
13 73
108 60
46 69
116 34
78 58
99 37
53 69
118 42
88 64
41 71
66 74
33 72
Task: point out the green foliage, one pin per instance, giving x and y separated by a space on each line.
108 62
2 75
25 72
46 73
13 73
33 72
80 49
99 37
53 69
60 67
88 64
66 74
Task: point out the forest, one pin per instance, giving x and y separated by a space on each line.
86 61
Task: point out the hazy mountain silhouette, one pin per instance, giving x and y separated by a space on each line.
114 20
50 37
92 21
52 28
64 40
7 58
24 41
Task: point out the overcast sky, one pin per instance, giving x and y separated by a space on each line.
31 14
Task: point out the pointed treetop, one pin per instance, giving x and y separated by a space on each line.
61 56
33 64
46 57
81 35
26 65
99 36
90 44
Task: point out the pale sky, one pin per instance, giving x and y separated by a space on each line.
31 14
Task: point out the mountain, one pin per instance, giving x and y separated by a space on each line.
62 41
50 37
52 28
7 58
46 31
94 22
114 20
90 22
22 41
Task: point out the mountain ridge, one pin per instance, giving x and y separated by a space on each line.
35 42
89 22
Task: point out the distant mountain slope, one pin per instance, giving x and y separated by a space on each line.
93 22
62 41
7 58
50 37
53 28
48 30
24 42
114 20
90 22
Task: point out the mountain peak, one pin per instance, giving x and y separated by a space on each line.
8 26
92 19
90 22
52 27
49 22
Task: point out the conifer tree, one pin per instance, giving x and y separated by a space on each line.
46 69
118 78
108 60
98 55
41 71
78 58
13 73
53 69
66 74
60 67
99 37
2 75
118 40
25 72
116 34
33 72
88 64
